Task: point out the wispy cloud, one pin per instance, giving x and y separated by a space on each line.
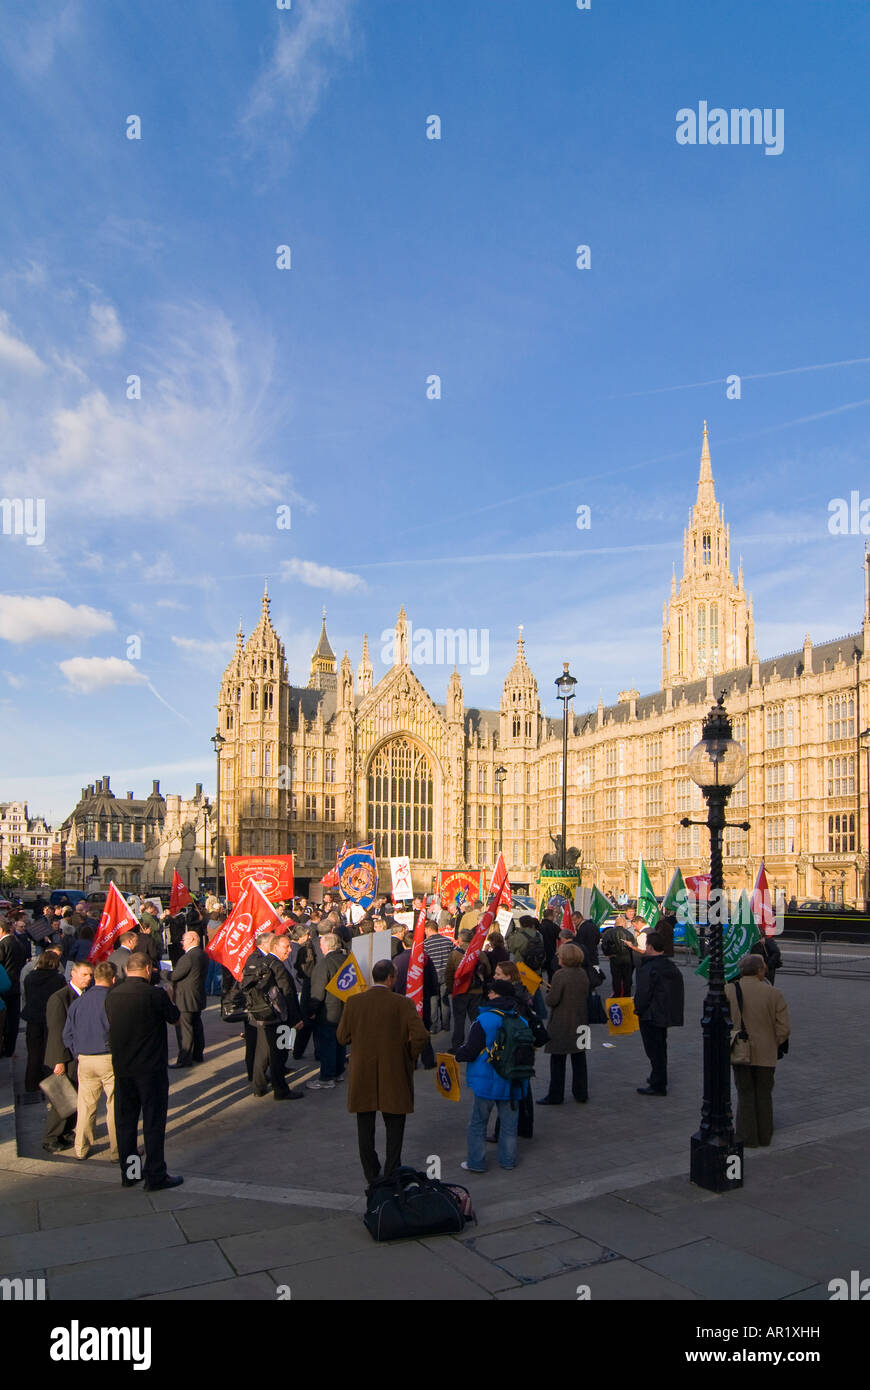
210 651
30 45
320 576
287 93
15 353
106 327
49 619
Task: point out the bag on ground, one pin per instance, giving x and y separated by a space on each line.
408 1205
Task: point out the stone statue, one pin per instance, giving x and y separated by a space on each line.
554 861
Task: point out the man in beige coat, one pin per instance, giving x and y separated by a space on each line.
765 1018
387 1036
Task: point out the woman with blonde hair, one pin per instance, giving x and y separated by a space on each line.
568 998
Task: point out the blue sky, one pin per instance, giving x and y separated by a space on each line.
409 257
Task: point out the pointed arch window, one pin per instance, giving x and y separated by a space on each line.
714 635
254 698
706 550
401 801
702 635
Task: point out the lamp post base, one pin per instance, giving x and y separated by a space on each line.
716 1164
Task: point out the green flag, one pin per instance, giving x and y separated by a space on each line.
740 936
599 908
647 907
677 901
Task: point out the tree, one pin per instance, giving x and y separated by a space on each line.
56 878
20 869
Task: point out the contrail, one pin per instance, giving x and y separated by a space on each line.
744 376
158 696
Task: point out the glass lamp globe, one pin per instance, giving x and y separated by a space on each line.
717 763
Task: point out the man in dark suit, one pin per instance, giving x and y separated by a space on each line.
122 953
265 972
138 1013
149 943
386 1037
188 991
13 958
59 1128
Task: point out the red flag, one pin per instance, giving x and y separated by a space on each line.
252 914
567 920
178 894
117 917
330 878
465 968
414 985
762 908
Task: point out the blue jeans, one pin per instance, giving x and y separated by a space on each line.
213 978
330 1053
507 1135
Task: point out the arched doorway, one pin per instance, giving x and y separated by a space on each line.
400 801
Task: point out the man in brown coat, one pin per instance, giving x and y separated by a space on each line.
387 1036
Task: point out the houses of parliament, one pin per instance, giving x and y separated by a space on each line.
305 767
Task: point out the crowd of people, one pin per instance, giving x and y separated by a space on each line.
103 1027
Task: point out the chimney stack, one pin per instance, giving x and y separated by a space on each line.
155 788
105 784
197 795
129 796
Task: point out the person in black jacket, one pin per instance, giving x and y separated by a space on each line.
58 1058
188 992
266 976
770 953
138 1013
44 980
13 958
658 1004
430 987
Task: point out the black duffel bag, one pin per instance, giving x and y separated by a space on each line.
407 1204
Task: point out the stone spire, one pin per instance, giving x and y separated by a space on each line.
323 676
401 654
364 673
520 706
706 491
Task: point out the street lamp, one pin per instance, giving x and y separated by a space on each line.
716 765
217 743
865 738
500 778
565 692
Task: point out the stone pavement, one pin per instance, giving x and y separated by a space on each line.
600 1201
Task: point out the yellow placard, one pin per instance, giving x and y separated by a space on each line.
447 1076
530 979
347 981
621 1017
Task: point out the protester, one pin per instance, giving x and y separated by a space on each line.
86 1037
438 949
588 938
13 957
465 1005
263 996
549 935
188 991
509 971
401 963
58 1132
765 1018
42 982
488 1087
326 1012
495 948
568 998
766 947
386 1036
122 953
658 1005
618 944
138 1013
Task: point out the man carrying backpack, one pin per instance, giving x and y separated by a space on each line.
500 1053
619 945
267 1006
527 945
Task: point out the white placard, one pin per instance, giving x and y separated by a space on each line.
504 918
405 919
400 869
372 947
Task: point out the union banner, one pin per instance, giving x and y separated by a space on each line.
272 873
456 888
555 888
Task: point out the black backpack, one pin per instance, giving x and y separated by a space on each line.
258 985
512 1054
534 952
408 1205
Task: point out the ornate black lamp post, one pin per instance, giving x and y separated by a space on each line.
716 764
500 779
217 743
565 692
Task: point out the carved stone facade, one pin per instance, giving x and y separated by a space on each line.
304 768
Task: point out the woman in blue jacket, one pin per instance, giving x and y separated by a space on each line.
488 1087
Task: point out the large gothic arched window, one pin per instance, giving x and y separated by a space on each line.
400 801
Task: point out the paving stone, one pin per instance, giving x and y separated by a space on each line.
616 1224
821 1254
247 1288
538 1264
663 1195
516 1239
113 1203
78 1244
846 1217
818 1293
400 1269
152 1271
734 1226
475 1267
237 1216
614 1280
715 1270
179 1199
311 1240
16 1216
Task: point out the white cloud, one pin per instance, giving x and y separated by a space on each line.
248 540
320 576
289 90
49 619
30 45
199 646
16 354
106 327
15 681
86 674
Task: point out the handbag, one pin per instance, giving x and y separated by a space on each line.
61 1094
741 1053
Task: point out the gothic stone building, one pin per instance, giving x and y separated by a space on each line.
305 767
